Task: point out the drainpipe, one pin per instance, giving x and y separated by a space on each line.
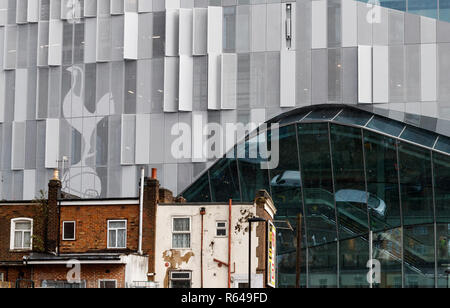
202 213
229 243
141 210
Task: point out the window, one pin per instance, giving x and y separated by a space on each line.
117 234
181 233
2 277
180 280
69 231
221 228
21 234
107 284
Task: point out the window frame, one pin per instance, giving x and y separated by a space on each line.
182 232
2 277
14 221
107 280
74 231
221 228
108 229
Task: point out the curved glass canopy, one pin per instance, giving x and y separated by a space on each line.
365 187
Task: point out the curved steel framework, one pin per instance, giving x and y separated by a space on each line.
368 188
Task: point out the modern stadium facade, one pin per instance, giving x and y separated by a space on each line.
360 93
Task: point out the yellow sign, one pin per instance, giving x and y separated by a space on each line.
271 255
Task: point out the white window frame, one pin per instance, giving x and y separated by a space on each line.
126 232
2 277
221 228
74 231
107 280
13 233
182 232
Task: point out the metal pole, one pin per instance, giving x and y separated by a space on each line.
299 250
249 255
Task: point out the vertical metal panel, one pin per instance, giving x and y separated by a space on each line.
214 81
171 84
131 38
228 81
186 32
18 146
215 28
172 32
21 95
365 74
52 143
287 78
186 83
142 139
200 31
429 72
380 74
259 18
349 23
319 24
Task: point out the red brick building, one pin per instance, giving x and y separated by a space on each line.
73 243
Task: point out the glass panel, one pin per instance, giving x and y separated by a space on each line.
416 184
442 187
69 230
354 254
387 248
393 4
323 266
181 240
112 239
117 224
23 226
121 239
443 144
323 114
253 177
318 184
382 181
27 240
350 186
386 126
350 116
199 191
419 136
426 8
225 181
443 255
181 224
419 256
18 239
285 181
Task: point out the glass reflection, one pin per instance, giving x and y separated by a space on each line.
382 181
252 176
354 255
419 256
224 181
351 196
443 255
442 187
387 248
416 184
199 192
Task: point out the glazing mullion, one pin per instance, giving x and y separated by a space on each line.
335 207
303 206
433 181
401 214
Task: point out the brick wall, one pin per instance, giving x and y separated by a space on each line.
89 273
92 227
8 212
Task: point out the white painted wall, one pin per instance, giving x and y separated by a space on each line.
136 268
214 276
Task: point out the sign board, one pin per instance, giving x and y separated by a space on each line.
271 255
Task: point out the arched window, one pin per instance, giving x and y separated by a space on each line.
21 234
